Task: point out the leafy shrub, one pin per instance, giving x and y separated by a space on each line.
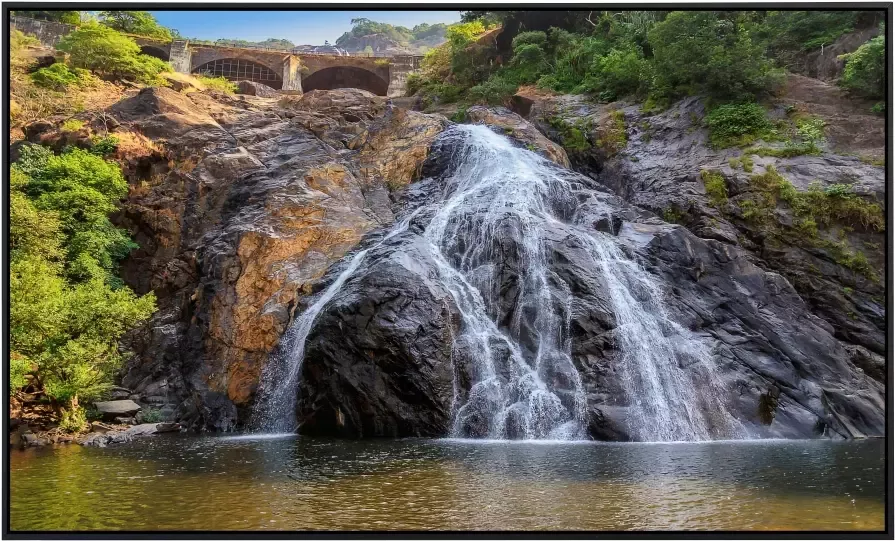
460 115
59 77
789 150
529 58
715 187
221 84
821 206
574 57
573 137
19 40
811 129
74 419
152 415
734 124
494 91
72 125
103 146
83 189
865 70
109 53
414 83
619 73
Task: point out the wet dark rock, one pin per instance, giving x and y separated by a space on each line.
659 169
379 356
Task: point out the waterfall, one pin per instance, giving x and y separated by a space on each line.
514 376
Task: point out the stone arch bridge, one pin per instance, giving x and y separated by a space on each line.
290 71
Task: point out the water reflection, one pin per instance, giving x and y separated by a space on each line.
300 483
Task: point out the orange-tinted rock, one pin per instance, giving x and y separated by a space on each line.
259 199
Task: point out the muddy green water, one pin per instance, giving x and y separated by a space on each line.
213 483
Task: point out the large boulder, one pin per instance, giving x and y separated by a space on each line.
117 408
251 88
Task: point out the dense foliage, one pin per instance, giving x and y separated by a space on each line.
67 307
221 84
109 53
734 57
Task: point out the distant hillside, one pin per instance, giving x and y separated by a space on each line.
372 37
273 43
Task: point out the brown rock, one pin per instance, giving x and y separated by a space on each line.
251 88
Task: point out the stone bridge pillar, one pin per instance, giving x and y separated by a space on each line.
292 74
181 57
398 69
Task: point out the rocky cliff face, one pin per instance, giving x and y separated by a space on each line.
245 208
239 204
660 166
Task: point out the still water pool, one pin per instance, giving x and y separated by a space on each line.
215 483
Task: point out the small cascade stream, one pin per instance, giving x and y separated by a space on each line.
500 208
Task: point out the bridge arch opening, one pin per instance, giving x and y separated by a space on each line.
345 77
156 52
239 69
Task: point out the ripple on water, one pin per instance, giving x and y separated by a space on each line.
288 483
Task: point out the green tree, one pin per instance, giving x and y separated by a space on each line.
141 23
109 53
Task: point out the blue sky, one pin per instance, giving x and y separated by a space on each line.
300 27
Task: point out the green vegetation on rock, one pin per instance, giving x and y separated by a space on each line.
715 187
737 124
58 76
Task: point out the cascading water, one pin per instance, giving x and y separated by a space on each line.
500 208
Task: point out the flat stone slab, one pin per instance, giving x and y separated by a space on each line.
101 439
117 408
